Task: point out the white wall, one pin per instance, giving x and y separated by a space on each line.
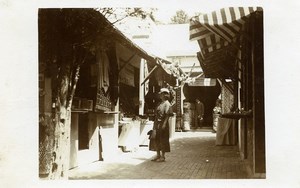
186 62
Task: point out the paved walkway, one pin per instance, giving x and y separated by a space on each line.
193 155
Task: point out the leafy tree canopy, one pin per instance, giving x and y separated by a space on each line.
180 17
85 29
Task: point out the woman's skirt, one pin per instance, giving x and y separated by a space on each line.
161 141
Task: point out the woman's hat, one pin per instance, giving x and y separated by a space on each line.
164 90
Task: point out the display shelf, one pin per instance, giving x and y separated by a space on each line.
80 110
111 112
237 115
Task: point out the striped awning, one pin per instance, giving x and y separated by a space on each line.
220 31
219 64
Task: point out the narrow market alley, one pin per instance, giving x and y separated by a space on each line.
193 155
98 103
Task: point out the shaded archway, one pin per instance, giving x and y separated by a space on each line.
208 95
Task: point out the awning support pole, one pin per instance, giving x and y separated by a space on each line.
142 88
150 73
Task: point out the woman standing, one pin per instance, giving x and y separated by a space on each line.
159 141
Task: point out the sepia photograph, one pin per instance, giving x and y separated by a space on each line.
150 94
124 95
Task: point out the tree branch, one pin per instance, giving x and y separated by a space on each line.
74 83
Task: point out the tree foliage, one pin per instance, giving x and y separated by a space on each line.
181 17
79 28
118 14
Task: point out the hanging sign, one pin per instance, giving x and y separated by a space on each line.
203 82
178 101
102 102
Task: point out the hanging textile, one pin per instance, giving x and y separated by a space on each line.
113 74
146 71
103 64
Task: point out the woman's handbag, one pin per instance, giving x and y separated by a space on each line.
152 134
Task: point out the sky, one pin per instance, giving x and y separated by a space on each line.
165 14
168 9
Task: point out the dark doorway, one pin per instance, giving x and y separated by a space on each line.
207 95
83 132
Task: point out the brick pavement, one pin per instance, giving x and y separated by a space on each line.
187 160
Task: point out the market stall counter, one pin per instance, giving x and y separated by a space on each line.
146 126
129 136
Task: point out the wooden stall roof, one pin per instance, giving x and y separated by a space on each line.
155 61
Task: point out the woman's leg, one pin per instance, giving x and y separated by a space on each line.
157 157
162 158
158 153
163 154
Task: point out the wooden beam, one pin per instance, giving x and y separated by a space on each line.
126 62
150 73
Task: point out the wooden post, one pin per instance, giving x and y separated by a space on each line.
258 95
141 88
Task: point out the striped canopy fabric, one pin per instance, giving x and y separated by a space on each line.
219 64
220 30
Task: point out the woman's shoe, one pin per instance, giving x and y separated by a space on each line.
156 158
162 159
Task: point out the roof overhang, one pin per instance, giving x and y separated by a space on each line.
154 63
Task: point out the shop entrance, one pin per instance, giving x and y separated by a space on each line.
207 95
83 132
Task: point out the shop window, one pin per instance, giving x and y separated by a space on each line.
83 133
